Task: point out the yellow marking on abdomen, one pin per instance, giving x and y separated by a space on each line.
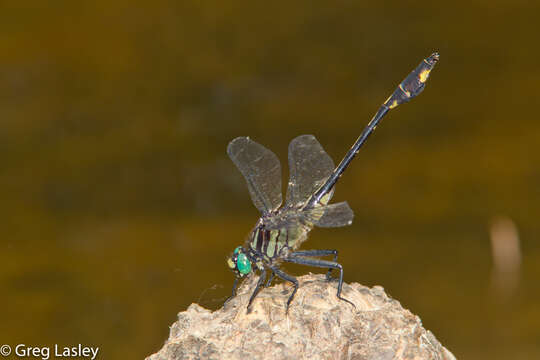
407 93
424 75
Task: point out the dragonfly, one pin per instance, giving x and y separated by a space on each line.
281 230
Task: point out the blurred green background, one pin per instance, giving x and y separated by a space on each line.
119 204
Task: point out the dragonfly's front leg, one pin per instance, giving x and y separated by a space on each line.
262 277
235 285
319 253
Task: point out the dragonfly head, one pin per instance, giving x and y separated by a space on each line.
239 262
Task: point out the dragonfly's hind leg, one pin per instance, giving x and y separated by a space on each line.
319 253
289 278
322 264
262 277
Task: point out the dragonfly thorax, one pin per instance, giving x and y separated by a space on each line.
268 244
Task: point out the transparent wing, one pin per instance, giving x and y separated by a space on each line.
333 215
309 167
262 172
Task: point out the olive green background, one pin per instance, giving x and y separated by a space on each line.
119 205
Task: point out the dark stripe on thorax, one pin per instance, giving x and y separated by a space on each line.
264 246
255 239
277 247
260 240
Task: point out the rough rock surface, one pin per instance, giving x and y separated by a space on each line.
318 326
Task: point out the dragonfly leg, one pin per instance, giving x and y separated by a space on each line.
235 284
257 288
319 253
323 264
270 278
288 278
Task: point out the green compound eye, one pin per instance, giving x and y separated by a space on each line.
243 264
236 250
